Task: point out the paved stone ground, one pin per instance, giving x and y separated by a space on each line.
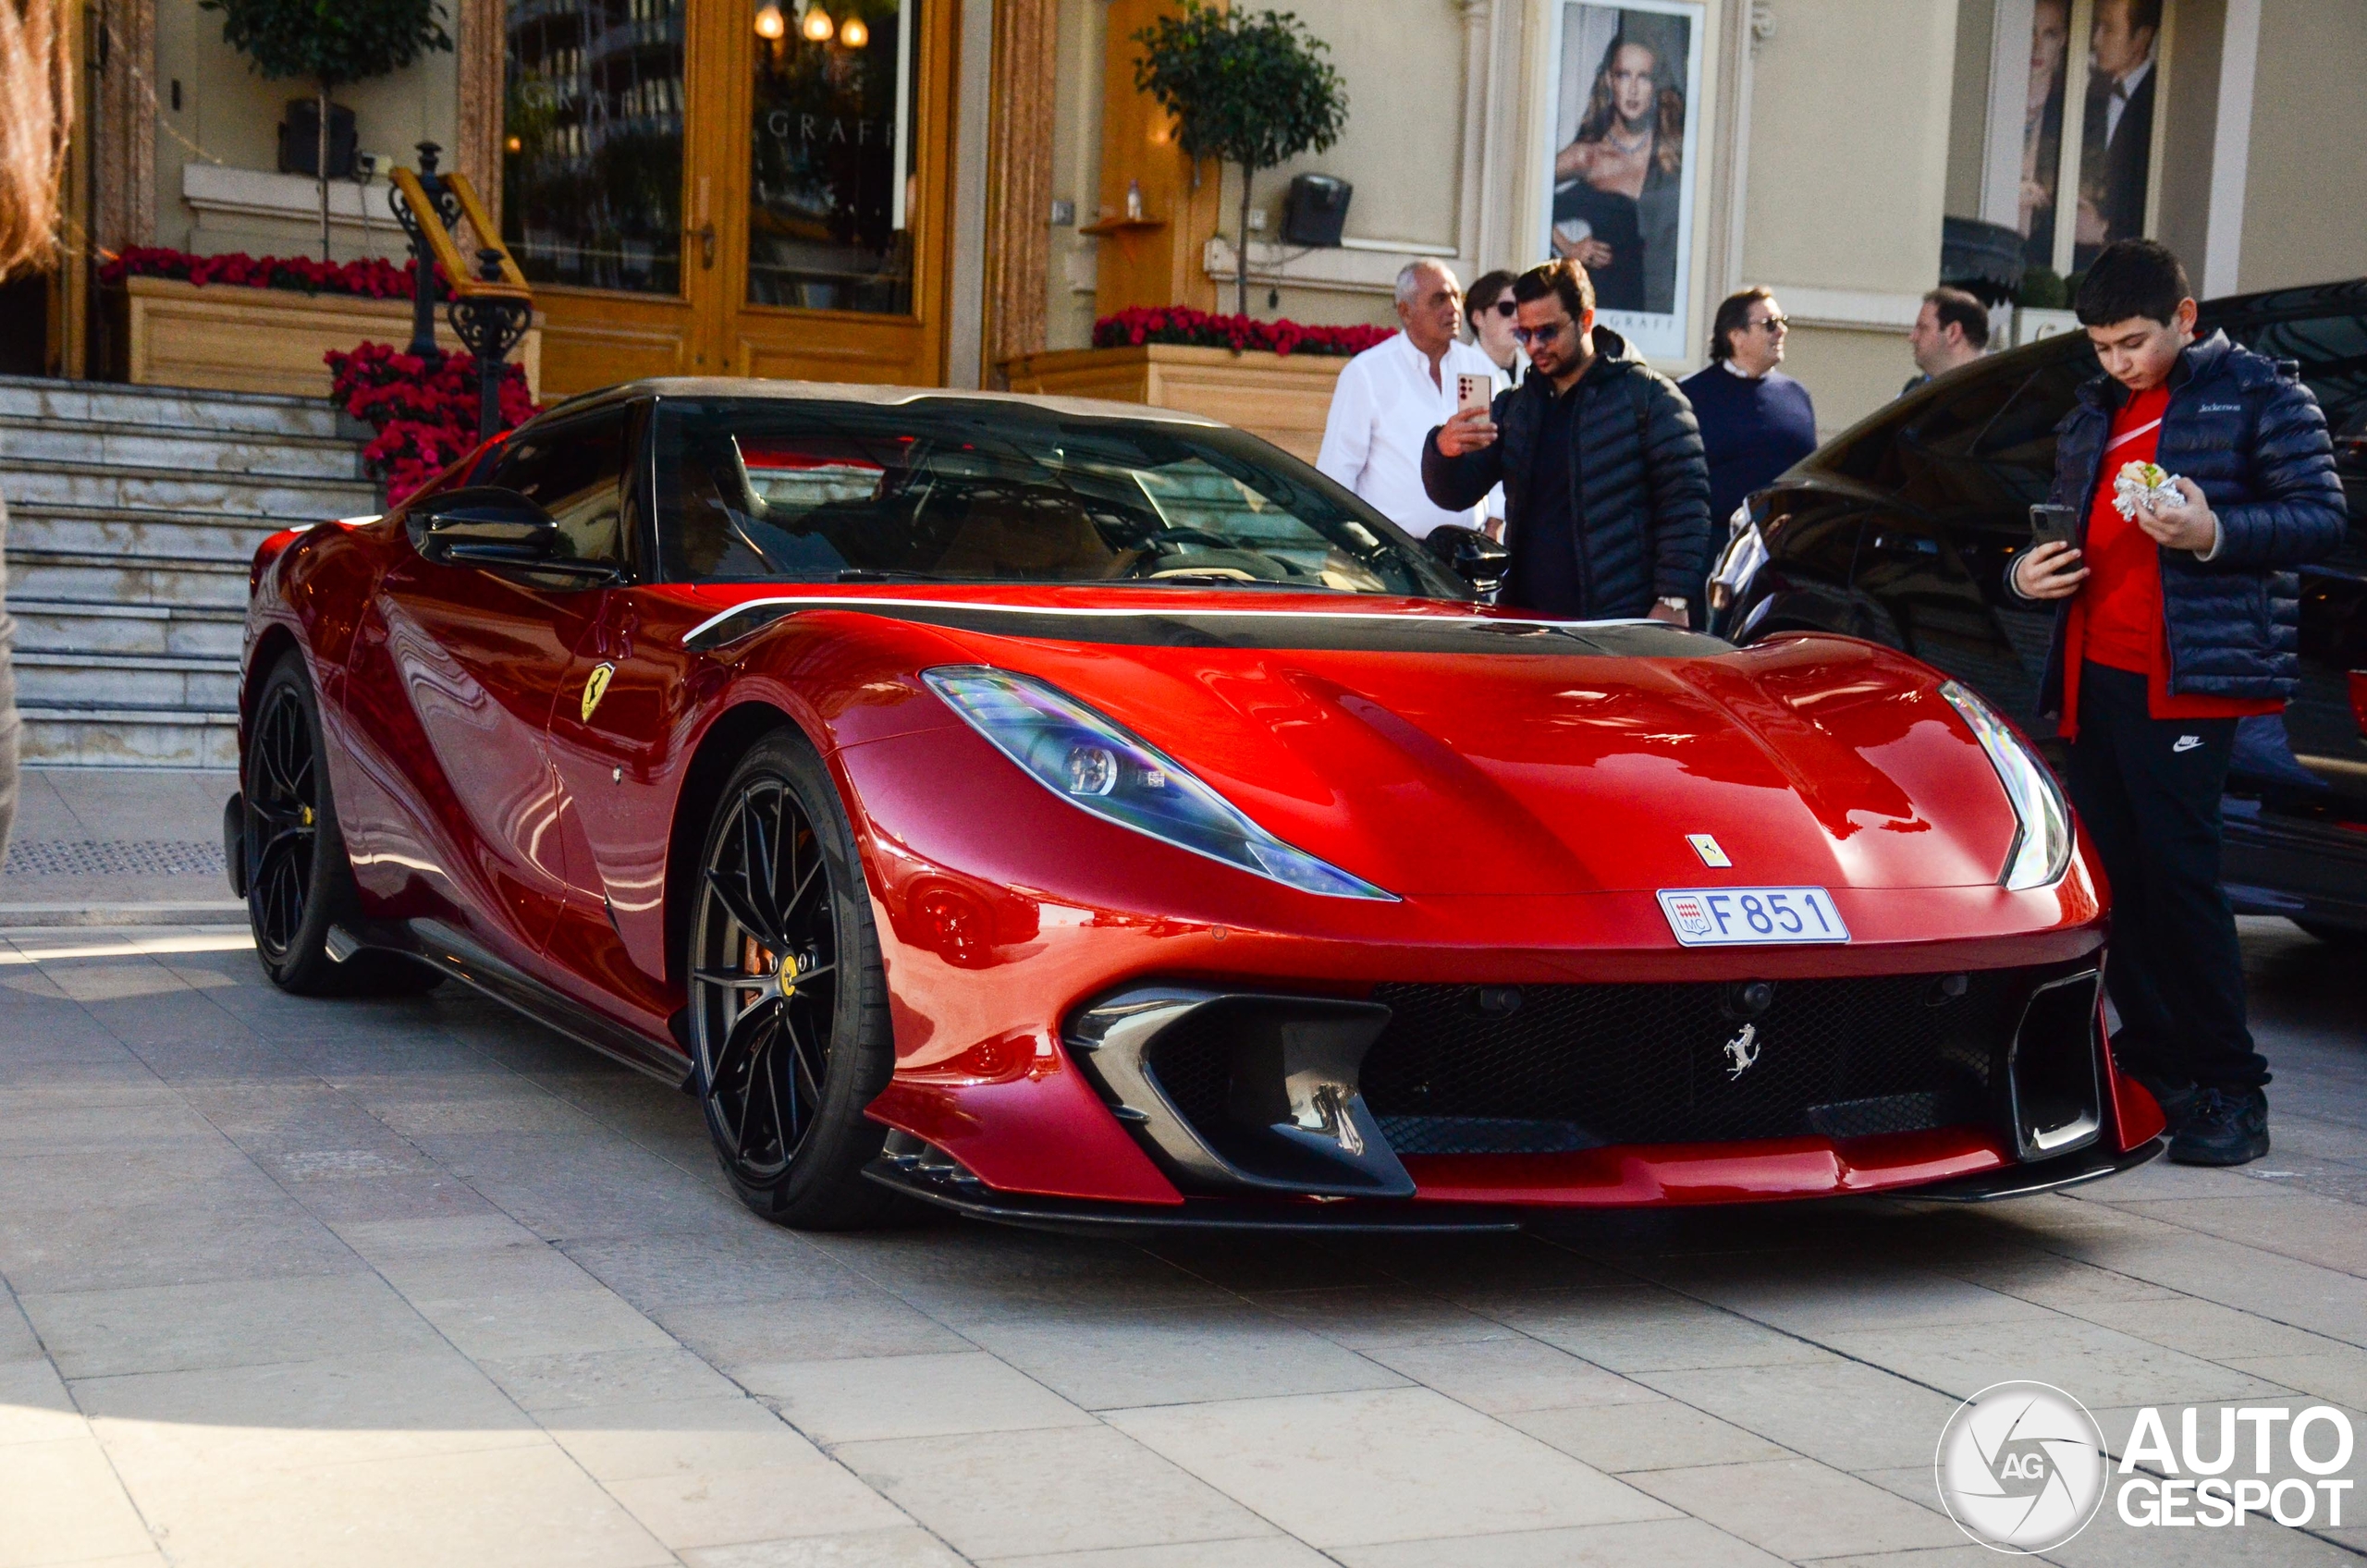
416 1283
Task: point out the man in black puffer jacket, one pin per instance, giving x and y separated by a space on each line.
1606 491
2180 614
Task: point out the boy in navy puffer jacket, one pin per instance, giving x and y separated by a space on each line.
2180 615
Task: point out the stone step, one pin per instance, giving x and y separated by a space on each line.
124 578
118 532
189 451
71 625
168 407
127 679
92 735
41 483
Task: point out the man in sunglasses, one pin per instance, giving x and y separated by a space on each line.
1607 495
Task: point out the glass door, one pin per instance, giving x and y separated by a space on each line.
730 187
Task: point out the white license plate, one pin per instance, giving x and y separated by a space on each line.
1729 917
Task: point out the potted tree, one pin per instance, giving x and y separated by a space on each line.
1251 89
331 43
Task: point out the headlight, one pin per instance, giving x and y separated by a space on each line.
2043 837
1098 767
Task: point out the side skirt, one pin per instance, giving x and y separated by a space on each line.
441 947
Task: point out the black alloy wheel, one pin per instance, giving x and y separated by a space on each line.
789 1016
299 881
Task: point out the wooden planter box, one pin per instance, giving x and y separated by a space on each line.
1281 396
226 337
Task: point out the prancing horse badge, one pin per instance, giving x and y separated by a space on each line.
596 687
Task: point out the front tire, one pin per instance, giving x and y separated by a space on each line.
789 1018
299 881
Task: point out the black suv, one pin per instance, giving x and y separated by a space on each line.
1901 529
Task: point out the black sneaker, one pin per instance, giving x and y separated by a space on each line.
2224 1128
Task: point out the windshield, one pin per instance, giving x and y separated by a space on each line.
959 490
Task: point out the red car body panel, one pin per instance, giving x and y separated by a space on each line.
1523 808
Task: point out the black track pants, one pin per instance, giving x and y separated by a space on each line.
2148 793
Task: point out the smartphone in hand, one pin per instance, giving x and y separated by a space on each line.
2055 525
1473 392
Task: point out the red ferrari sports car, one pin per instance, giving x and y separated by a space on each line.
1075 813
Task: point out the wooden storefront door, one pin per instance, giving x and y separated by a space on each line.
732 187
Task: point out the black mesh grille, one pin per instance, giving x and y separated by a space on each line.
1577 1066
1191 1061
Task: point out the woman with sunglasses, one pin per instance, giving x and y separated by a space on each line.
1489 306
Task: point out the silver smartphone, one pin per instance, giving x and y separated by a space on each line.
1473 392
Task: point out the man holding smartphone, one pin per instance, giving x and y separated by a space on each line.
2179 614
1606 492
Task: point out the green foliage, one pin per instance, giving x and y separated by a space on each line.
331 42
2043 289
1249 88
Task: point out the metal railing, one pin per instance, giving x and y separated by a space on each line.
492 306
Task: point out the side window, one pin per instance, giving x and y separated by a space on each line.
574 468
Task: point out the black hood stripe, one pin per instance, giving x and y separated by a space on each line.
1258 630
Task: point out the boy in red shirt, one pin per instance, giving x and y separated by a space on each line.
2180 616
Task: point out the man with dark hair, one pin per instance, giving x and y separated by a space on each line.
1607 498
1756 422
2117 152
2179 614
1952 329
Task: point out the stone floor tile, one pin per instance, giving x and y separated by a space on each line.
1341 1469
299 1415
1796 1508
2108 1543
1362 1317
1253 1266
1051 1490
1843 1414
2048 1280
570 1378
2095 1364
530 1507
743 1334
908 1396
2338 1375
2207 1330
2284 1224
1507 1375
512 1327
745 1260
814 1497
1813 1293
961 1274
216 1231
1965 1555
1104 1359
60 1502
1256 1551
224 1323
653 1438
1470 1269
589 1184
1650 1541
463 1105
909 1547
440 1197
1661 1435
1645 1329
35 1405
524 1266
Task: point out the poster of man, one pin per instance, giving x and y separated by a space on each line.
1623 175
2116 141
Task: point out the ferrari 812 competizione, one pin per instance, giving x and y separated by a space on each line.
1077 813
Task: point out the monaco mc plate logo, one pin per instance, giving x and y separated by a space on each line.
2021 1467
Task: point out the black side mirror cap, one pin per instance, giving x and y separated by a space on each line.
483 514
1470 553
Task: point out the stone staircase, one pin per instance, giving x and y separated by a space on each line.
133 512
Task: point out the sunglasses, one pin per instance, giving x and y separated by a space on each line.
1771 326
1506 308
1539 333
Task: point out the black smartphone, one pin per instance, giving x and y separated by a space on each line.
2051 524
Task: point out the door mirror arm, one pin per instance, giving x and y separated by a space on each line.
1470 553
488 526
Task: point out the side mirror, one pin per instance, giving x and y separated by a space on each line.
1470 553
485 525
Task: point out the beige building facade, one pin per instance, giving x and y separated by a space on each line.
1818 147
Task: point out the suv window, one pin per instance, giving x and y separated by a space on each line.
574 468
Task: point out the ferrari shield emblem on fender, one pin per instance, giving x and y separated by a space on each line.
596 687
1741 1051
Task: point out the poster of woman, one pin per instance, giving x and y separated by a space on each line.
1621 191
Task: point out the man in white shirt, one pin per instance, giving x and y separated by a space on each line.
1391 397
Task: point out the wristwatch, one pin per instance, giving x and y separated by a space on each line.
1671 602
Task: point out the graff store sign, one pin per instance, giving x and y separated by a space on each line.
789 126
